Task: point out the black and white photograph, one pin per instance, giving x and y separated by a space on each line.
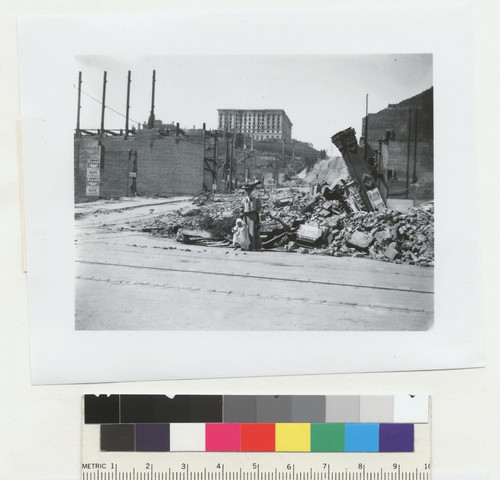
254 192
299 196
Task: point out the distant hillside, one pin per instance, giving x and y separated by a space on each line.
301 149
327 171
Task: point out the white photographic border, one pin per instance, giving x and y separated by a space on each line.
47 50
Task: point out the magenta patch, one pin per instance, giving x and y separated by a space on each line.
223 437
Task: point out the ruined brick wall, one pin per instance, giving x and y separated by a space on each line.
393 124
166 166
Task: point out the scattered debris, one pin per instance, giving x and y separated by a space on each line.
332 222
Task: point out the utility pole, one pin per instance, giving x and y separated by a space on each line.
283 151
276 168
365 153
128 105
408 154
231 153
216 158
151 121
244 167
79 102
415 148
104 81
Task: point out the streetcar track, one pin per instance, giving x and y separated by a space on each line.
258 277
256 295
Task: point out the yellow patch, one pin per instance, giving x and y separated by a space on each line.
293 437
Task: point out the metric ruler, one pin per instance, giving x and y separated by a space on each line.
110 453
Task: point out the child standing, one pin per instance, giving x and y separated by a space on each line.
240 235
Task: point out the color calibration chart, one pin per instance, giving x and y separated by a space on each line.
233 437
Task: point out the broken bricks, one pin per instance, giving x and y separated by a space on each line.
360 240
391 251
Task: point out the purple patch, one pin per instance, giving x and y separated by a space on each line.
396 437
152 437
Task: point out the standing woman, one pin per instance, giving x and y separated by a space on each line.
251 208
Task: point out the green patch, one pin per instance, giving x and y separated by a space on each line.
327 437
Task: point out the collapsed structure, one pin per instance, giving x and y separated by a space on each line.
326 223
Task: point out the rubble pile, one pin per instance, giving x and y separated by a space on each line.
382 235
331 222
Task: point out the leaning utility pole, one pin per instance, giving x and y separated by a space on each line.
151 121
104 81
79 102
128 106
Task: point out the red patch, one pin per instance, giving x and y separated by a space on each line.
258 437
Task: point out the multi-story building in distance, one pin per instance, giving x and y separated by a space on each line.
260 124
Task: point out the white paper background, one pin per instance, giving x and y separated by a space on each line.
47 69
40 425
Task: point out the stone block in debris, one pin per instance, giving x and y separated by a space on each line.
303 250
391 251
324 213
309 232
291 247
360 240
421 238
282 202
333 221
383 235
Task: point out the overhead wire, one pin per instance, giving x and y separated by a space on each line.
106 106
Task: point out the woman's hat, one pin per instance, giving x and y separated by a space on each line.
251 186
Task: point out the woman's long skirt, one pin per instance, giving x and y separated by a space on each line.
252 221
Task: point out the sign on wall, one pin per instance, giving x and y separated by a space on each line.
93 177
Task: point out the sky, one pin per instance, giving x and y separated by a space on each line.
320 94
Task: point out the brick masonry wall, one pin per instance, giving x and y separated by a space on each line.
165 166
397 160
396 120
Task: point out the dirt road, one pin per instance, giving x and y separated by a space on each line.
128 280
